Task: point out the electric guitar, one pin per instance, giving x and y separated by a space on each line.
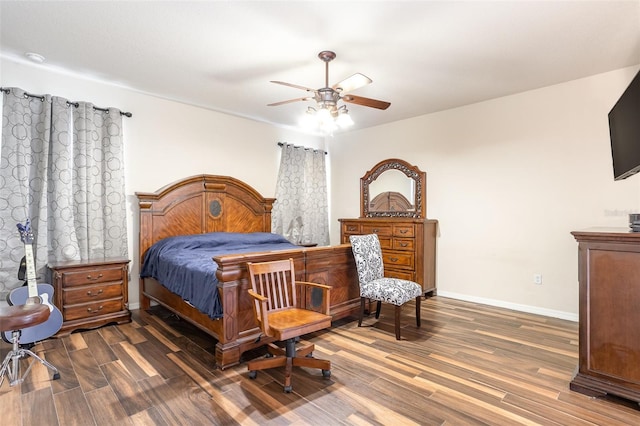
34 293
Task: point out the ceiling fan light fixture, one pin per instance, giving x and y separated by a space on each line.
308 120
326 118
344 120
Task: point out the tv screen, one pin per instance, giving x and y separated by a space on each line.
624 129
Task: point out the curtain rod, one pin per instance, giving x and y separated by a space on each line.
281 144
75 104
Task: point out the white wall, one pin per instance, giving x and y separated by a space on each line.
166 140
508 180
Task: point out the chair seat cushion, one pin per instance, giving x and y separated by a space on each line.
390 290
295 322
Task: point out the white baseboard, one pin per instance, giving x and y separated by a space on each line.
133 306
514 306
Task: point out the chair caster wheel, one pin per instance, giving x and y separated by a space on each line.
253 374
326 373
56 376
288 389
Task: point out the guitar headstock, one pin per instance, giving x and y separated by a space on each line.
26 235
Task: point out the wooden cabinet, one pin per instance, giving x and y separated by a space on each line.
609 303
90 293
408 246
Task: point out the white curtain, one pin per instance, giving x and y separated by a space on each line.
62 168
300 212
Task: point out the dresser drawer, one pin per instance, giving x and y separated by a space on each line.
382 230
385 242
398 259
350 228
95 309
91 293
405 231
403 244
401 274
92 276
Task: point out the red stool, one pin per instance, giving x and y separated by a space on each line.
14 319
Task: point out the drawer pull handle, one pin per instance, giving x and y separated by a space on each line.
404 231
351 228
92 294
90 278
375 231
404 244
394 259
91 311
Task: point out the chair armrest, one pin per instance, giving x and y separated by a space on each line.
260 311
324 286
325 294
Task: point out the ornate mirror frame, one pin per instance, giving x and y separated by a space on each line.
412 172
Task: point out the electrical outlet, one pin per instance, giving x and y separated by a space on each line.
537 279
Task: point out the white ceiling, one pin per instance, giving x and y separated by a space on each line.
423 56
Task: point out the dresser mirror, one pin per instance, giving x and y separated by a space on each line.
393 188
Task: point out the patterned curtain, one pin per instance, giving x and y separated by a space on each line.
300 212
62 168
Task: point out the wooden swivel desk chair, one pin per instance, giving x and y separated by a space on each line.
14 319
278 312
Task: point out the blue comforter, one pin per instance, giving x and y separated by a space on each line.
185 266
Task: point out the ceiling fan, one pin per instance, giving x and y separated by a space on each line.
327 97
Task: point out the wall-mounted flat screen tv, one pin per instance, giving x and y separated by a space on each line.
624 128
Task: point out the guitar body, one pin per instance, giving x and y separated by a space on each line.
19 296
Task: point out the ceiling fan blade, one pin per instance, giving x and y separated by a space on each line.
289 101
352 83
293 85
373 103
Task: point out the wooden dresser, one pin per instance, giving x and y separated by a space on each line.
90 293
408 246
609 303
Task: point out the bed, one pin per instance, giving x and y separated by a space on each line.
210 204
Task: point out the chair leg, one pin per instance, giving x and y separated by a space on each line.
362 303
418 299
378 309
398 310
288 358
11 363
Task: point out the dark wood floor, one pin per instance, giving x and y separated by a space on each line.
467 365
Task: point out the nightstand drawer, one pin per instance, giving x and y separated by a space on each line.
92 293
92 276
95 309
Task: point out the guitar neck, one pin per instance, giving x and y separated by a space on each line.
31 271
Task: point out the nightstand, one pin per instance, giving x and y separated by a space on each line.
90 293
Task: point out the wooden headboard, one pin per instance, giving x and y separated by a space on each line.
201 204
